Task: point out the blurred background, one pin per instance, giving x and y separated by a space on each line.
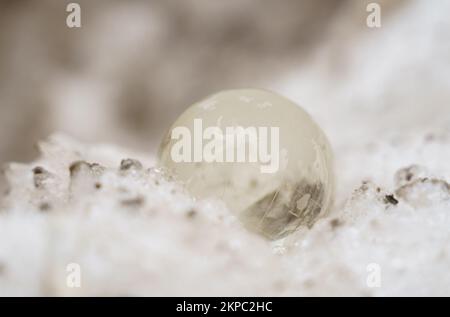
134 66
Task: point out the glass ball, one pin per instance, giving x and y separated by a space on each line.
258 152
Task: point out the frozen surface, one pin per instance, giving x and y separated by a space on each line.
133 231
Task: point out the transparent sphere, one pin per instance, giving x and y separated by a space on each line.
257 151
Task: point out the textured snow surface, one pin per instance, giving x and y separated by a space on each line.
134 231
131 231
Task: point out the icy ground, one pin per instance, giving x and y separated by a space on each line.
135 232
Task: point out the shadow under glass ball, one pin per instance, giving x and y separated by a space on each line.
257 151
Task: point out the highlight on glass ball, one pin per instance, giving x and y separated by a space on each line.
257 151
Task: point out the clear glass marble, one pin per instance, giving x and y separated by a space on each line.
257 151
